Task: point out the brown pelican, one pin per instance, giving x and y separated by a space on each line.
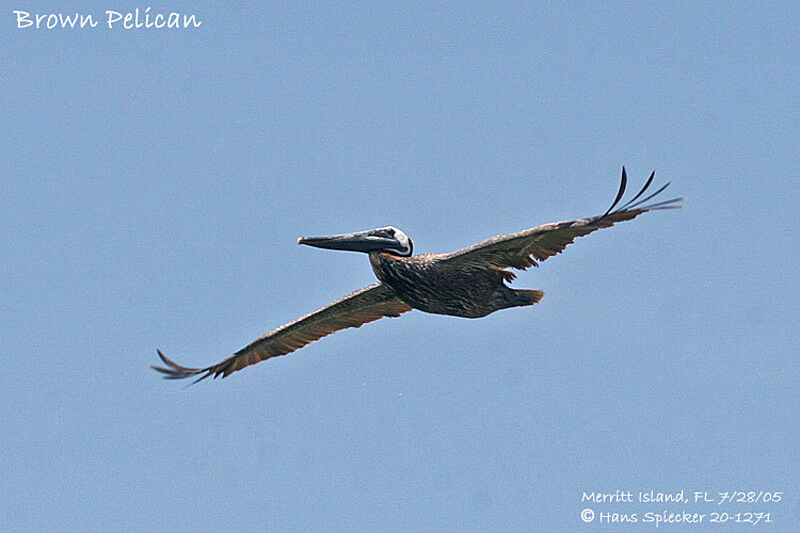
467 283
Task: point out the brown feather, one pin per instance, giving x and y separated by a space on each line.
527 248
352 311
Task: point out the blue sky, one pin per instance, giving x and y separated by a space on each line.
154 184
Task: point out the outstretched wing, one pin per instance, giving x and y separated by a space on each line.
357 308
525 248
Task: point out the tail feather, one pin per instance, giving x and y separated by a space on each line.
528 297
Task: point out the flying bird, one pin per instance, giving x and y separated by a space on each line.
467 283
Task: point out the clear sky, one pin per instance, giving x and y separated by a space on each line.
154 183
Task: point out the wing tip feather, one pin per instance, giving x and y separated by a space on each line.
634 204
173 370
622 184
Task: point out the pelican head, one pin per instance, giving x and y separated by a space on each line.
387 239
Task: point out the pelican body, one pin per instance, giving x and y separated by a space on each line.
426 283
468 283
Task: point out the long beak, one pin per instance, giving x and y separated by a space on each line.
362 241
